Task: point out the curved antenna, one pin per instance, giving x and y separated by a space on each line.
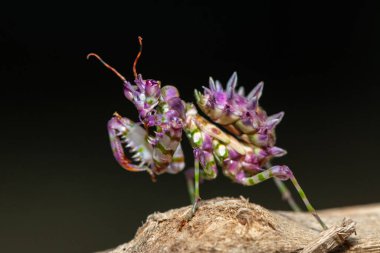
137 57
106 65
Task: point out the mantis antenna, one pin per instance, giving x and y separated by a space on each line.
113 69
137 57
106 65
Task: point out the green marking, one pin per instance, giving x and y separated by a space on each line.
197 96
302 194
163 150
251 181
246 129
261 177
210 172
218 159
310 208
150 100
196 179
215 144
194 131
196 137
207 167
178 159
282 188
221 151
257 151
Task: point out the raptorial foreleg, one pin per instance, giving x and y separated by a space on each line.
167 151
178 161
123 131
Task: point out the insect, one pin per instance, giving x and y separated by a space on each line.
243 152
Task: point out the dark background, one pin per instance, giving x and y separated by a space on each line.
60 188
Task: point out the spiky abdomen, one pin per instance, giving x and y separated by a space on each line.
235 165
235 159
252 130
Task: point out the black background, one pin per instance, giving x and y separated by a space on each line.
60 188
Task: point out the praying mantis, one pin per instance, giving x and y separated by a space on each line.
243 149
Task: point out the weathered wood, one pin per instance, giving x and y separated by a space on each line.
331 238
235 225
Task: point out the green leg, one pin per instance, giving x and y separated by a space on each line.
196 185
309 207
207 161
282 173
192 180
286 194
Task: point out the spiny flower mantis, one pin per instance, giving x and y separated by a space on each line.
243 154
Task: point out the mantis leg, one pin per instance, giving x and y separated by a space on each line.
196 185
282 173
189 174
123 131
192 180
286 194
209 171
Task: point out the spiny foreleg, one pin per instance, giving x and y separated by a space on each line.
167 151
168 121
123 131
178 161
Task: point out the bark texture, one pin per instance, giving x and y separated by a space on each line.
237 226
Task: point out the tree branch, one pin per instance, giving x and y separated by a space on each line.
235 225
